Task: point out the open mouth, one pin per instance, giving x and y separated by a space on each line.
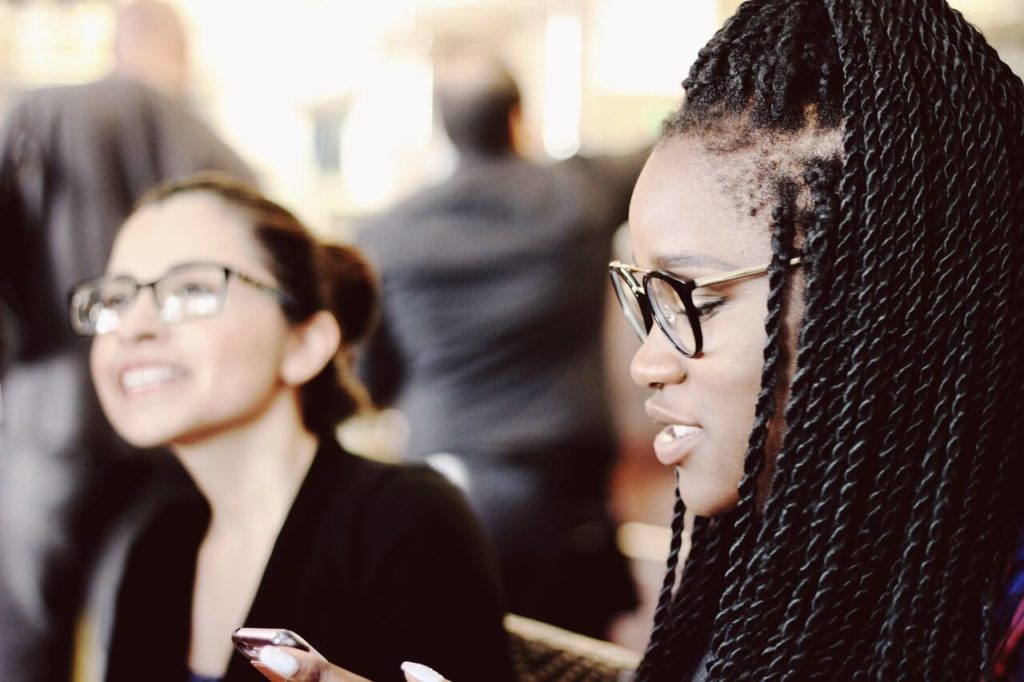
674 442
675 431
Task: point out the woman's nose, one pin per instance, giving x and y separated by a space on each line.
141 319
657 362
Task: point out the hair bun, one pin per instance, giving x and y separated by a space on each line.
353 286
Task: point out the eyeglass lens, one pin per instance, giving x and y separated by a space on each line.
630 303
667 308
670 312
193 292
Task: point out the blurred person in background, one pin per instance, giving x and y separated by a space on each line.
493 288
224 331
73 161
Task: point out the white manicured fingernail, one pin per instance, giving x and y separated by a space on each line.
421 673
278 661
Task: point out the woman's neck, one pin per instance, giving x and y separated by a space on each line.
251 472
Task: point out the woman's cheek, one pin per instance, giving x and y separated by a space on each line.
100 366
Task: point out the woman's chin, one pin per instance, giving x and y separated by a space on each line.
145 436
707 500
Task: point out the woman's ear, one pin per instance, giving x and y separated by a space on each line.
314 343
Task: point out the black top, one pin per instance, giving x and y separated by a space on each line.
375 564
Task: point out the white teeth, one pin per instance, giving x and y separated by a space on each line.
146 377
674 431
680 430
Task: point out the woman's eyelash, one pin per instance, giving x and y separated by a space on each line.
708 307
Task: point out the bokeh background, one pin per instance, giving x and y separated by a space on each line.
330 102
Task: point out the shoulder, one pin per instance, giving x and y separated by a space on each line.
414 489
372 484
33 112
404 522
104 95
405 504
108 104
381 227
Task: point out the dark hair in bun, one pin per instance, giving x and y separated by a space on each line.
318 276
354 291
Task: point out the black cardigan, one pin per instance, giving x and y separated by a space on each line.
375 564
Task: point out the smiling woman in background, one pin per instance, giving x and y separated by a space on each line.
224 330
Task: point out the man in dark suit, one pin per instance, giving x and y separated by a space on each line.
73 161
493 287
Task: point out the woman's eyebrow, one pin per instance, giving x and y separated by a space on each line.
691 260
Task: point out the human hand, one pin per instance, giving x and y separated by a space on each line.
284 664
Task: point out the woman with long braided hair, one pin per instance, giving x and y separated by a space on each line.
830 288
852 485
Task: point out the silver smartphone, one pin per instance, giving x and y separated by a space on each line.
249 641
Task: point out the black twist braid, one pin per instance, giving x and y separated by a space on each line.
937 123
784 227
692 617
790 496
893 474
905 412
838 607
925 543
995 210
822 178
994 535
654 655
948 535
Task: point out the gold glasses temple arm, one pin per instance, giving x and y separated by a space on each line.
737 274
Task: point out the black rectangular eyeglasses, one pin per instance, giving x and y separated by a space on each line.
651 297
186 291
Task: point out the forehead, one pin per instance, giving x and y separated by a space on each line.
685 204
188 227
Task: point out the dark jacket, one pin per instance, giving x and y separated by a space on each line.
494 287
375 564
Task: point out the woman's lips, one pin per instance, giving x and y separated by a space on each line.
674 442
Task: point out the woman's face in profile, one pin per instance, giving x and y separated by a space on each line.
686 219
166 383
